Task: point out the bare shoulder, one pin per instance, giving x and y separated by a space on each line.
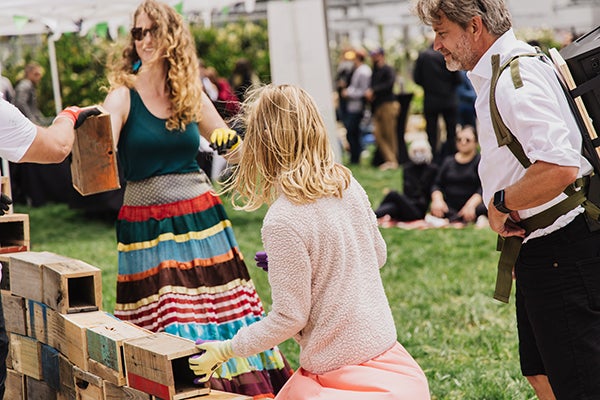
117 98
117 105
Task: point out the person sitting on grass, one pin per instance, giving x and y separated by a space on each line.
324 253
417 180
456 193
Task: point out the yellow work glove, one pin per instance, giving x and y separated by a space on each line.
214 354
223 140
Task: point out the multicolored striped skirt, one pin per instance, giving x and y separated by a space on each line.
181 271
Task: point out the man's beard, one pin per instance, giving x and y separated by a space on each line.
463 57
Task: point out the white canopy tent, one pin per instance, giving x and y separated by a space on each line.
55 17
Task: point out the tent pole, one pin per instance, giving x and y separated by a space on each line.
54 72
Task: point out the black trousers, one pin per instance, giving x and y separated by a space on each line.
400 207
558 310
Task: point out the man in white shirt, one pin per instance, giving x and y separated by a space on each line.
23 141
558 268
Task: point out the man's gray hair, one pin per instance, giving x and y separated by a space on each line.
494 13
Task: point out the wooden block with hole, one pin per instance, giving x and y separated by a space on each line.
14 233
105 349
94 159
114 392
14 313
26 272
38 390
158 364
15 385
68 334
72 286
87 385
26 355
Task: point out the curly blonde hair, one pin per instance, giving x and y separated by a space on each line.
286 151
175 46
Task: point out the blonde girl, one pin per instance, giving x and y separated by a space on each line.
324 251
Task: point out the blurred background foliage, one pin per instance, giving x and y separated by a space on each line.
81 59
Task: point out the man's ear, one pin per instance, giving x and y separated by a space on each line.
476 26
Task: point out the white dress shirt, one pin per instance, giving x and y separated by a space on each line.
537 114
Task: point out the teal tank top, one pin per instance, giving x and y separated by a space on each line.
147 148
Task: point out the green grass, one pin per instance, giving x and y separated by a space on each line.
439 284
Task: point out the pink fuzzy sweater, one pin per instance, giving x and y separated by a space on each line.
324 261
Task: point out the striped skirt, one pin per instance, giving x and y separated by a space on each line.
181 271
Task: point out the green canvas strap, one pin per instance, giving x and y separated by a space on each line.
510 246
576 192
504 136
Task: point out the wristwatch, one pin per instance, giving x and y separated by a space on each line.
499 202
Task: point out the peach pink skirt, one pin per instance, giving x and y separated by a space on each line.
393 375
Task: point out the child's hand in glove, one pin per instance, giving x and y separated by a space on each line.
215 353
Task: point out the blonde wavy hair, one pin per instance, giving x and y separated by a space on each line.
286 151
175 46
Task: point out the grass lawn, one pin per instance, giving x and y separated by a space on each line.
439 284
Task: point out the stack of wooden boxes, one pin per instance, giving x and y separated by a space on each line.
14 228
64 347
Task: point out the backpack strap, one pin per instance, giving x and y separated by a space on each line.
576 192
504 136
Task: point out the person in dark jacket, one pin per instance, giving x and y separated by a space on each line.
419 174
384 109
439 92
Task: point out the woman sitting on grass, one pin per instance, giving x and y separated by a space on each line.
456 193
325 251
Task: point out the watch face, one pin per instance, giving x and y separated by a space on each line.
499 198
499 202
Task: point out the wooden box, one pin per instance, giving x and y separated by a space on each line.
38 390
94 158
158 365
39 319
72 286
26 272
67 333
26 355
105 349
50 366
14 233
67 381
218 395
14 313
15 385
87 386
114 392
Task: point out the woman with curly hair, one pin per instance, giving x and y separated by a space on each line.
180 267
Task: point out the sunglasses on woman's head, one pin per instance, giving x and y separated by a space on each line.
140 33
